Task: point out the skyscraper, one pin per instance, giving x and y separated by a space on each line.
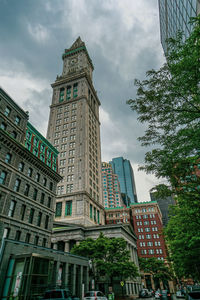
175 16
122 167
74 130
111 187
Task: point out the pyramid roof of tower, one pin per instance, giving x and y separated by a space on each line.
77 46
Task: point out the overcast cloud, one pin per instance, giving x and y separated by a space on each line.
122 38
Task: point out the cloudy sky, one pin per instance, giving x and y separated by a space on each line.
122 38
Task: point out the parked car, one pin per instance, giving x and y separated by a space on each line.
165 295
179 294
144 293
194 293
157 294
94 295
59 294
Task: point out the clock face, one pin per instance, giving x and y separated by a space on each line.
73 61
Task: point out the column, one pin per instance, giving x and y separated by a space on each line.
74 280
66 246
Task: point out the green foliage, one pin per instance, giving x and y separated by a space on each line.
168 101
110 257
183 236
155 267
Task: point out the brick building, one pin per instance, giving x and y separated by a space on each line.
147 222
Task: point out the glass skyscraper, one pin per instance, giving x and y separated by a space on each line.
122 167
175 16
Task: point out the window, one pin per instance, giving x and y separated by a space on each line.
12 208
71 152
42 198
150 244
36 240
39 219
148 236
17 235
95 214
147 229
31 215
28 236
35 192
151 251
145 216
49 202
46 222
44 182
58 209
17 185
21 167
30 172
70 177
60 190
7 111
37 177
68 92
14 134
22 212
70 188
70 169
71 160
3 177
17 120
26 189
71 144
3 126
44 242
51 186
8 158
90 211
75 90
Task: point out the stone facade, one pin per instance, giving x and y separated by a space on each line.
27 206
74 130
66 235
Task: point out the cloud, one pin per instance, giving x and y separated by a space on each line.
122 38
38 32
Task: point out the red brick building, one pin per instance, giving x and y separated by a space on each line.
148 227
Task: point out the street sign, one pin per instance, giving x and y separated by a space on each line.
122 283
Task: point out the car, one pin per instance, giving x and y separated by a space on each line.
165 295
157 294
179 294
59 294
193 293
94 295
144 293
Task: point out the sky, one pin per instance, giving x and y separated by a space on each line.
123 41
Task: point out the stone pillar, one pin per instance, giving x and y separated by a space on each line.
55 246
74 280
66 246
66 274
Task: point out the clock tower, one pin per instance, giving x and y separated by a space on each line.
74 130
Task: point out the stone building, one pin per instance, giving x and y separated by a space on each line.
27 205
74 130
65 236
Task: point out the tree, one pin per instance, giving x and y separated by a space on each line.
110 257
183 236
157 268
168 101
